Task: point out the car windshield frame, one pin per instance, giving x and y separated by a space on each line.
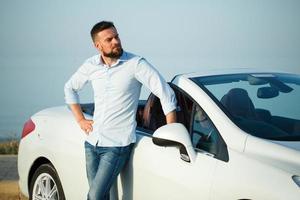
269 86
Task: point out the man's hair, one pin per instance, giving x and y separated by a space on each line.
100 26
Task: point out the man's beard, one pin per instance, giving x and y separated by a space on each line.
114 54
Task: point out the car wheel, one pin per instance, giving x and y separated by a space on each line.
45 184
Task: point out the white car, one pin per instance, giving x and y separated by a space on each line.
237 137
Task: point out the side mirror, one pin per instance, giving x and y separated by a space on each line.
175 134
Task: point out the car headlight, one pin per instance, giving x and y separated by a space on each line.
296 179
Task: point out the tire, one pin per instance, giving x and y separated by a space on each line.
45 184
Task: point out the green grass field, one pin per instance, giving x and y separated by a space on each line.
9 147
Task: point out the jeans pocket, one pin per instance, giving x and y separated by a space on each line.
87 145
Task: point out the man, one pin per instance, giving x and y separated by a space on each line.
116 77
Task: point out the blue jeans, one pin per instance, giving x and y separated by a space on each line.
103 164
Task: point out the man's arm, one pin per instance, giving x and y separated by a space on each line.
171 117
150 77
73 85
85 125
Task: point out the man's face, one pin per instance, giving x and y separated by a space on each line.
109 43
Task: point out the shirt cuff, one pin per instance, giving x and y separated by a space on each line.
168 107
72 100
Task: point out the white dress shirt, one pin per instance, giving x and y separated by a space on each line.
116 95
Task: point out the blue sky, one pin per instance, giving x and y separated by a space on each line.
44 42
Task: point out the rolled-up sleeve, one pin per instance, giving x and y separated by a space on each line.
150 77
74 84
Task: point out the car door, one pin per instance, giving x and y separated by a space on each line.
156 172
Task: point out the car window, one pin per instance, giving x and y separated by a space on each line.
184 108
204 134
153 116
263 104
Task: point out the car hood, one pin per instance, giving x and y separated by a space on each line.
283 155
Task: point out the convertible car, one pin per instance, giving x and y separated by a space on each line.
237 137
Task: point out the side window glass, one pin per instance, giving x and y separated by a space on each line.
204 134
184 109
153 116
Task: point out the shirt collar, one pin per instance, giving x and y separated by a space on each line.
123 58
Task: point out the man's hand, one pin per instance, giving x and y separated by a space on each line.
86 125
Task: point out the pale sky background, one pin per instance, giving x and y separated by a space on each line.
44 41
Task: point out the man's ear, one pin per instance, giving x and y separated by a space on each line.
97 45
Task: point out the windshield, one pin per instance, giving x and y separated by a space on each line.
264 105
